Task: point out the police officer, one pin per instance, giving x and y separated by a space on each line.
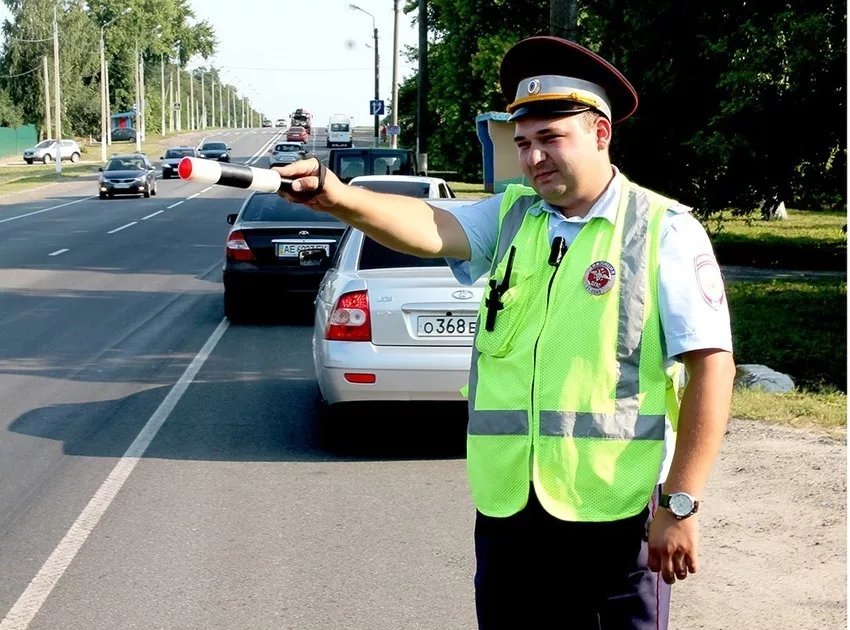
586 464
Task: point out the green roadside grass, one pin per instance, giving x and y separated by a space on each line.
806 240
29 176
792 326
798 328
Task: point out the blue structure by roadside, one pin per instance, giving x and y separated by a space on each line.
123 119
499 156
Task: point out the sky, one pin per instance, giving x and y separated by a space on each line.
317 55
285 54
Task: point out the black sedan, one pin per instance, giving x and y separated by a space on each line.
275 249
214 151
131 174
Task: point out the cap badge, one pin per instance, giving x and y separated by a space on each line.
599 277
533 86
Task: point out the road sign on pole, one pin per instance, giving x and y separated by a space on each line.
376 108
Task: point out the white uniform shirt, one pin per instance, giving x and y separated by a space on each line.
692 300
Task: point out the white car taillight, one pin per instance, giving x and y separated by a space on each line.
350 320
237 247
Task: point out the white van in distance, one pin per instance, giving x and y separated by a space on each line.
339 131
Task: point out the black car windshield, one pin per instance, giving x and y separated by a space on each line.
271 207
409 189
214 146
176 153
124 164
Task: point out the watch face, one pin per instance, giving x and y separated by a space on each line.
681 504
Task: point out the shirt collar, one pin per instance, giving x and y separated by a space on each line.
604 208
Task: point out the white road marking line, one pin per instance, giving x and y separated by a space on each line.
61 205
206 189
192 196
152 215
58 251
123 227
173 205
39 589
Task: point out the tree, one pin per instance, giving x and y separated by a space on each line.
29 38
726 98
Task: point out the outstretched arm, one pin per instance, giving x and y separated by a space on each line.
402 223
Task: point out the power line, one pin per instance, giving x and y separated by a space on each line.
12 76
29 41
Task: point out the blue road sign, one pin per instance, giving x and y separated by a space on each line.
376 108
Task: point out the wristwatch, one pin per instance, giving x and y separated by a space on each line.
681 504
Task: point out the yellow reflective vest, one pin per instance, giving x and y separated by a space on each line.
570 389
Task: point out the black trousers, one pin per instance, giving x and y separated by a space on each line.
536 571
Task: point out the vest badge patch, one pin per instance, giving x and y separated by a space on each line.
599 277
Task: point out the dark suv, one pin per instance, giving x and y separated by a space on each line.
214 151
349 163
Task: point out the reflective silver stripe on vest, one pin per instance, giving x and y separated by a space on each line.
633 263
500 422
619 426
511 225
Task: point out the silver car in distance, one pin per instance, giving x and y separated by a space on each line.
392 327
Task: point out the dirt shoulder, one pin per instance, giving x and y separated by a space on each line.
774 535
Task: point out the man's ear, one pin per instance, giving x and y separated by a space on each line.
603 133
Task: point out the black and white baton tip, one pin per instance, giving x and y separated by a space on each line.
233 175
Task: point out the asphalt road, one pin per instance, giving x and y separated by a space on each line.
163 469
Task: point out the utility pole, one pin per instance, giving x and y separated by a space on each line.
138 105
102 99
143 128
377 82
48 119
171 112
108 109
192 125
203 104
220 106
57 96
162 85
394 118
179 101
422 91
212 99
563 18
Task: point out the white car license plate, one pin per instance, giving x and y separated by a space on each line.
122 185
290 250
445 326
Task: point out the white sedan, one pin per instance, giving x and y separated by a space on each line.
421 186
392 327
